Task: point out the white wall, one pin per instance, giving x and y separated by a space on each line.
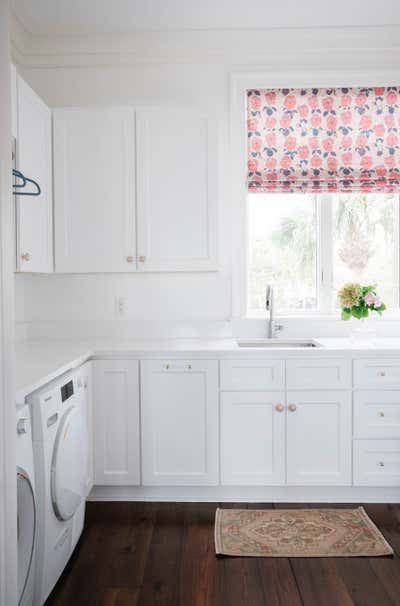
167 69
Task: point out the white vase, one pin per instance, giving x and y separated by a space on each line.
362 332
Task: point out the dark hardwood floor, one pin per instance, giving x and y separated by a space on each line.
162 554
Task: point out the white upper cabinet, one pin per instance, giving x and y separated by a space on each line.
94 179
177 190
33 158
14 110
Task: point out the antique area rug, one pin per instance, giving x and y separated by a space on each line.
298 533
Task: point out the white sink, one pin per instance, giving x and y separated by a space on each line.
279 343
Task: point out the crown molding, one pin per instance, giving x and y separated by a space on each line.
273 48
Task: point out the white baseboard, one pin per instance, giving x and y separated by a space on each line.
243 494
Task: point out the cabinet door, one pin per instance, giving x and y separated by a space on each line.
177 192
33 158
116 422
253 438
94 185
319 437
179 423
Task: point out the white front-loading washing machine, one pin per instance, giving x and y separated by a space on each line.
60 446
26 508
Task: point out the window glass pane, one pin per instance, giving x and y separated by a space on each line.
365 242
282 251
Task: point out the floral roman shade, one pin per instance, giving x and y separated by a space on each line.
323 139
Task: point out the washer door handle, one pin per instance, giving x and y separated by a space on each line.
53 419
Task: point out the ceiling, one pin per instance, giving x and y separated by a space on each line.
44 17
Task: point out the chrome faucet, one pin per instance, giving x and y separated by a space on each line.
273 328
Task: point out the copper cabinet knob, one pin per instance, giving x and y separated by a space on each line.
292 407
279 408
142 259
130 259
26 256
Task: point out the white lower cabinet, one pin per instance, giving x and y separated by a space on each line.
116 422
253 438
319 432
179 411
87 400
377 462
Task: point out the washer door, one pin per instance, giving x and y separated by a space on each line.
69 464
26 520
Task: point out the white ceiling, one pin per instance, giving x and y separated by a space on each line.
112 16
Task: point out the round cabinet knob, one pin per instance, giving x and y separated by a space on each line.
130 259
142 259
292 407
26 256
189 367
381 413
166 366
279 408
381 373
381 464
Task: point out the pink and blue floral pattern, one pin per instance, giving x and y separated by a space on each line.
324 139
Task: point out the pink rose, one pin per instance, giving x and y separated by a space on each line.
313 101
346 142
270 138
369 298
391 97
361 141
270 122
303 151
314 143
285 162
331 122
389 161
290 102
303 110
365 121
345 117
379 130
347 158
315 120
327 103
378 301
255 102
316 161
361 99
256 144
290 143
332 163
252 124
252 165
285 120
366 162
270 163
327 144
389 120
270 97
379 90
345 100
380 171
391 139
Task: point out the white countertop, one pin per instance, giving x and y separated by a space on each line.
41 361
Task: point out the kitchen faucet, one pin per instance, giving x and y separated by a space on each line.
273 328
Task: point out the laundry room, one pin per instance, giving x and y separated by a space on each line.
200 303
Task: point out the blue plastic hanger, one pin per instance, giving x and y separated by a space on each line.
25 180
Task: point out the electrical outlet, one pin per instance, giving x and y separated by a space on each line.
120 306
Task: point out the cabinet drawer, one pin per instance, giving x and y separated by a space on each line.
377 373
252 375
377 462
377 414
318 374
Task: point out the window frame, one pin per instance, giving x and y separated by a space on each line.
239 84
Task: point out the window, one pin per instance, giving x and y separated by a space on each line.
308 245
323 183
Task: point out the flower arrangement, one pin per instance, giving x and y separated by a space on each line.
358 301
